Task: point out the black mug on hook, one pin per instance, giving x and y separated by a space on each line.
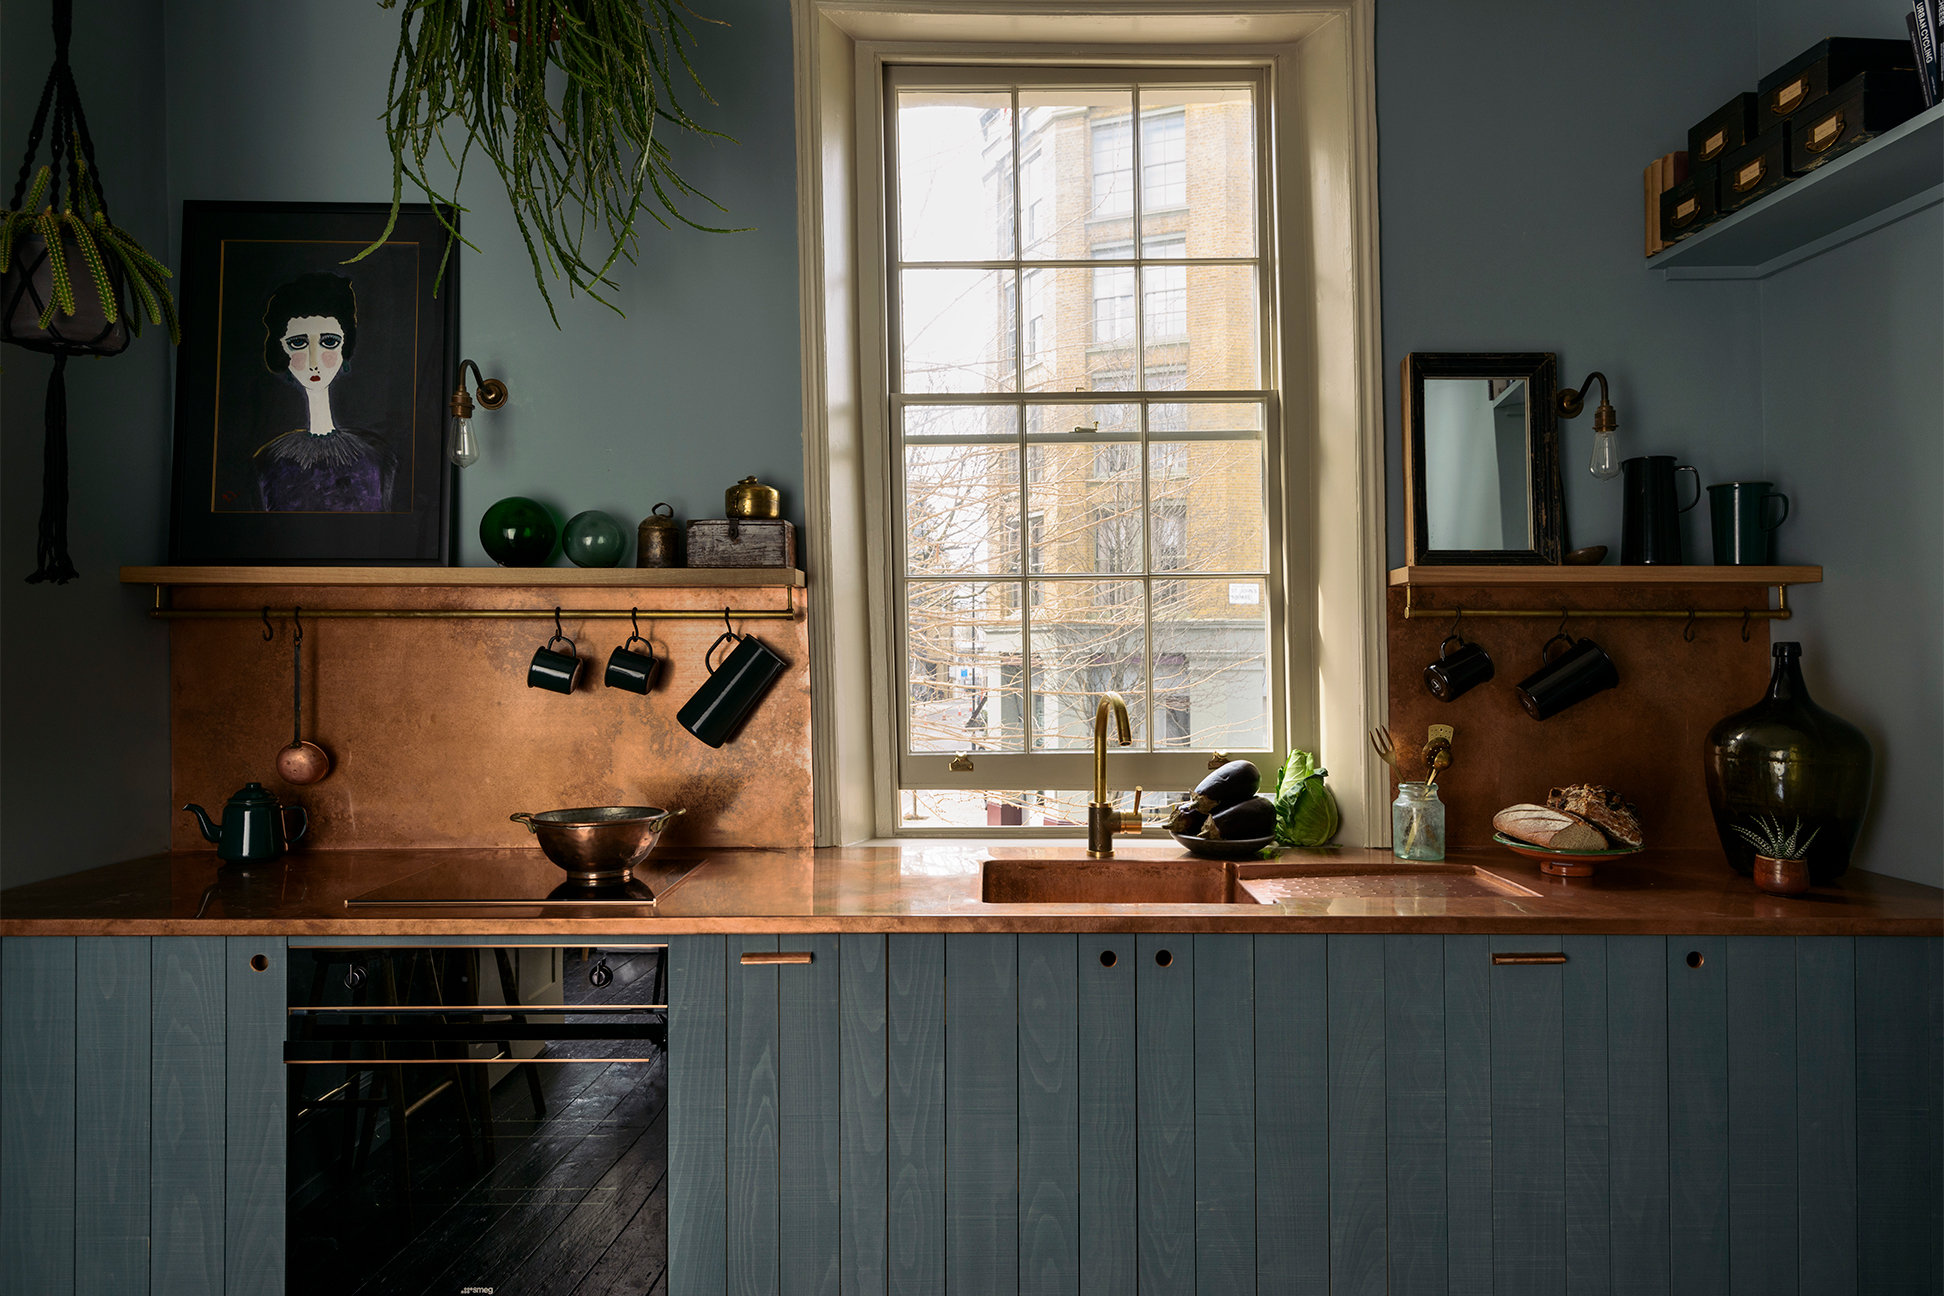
628 669
733 689
555 670
1574 676
1459 670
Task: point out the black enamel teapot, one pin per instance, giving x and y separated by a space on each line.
253 827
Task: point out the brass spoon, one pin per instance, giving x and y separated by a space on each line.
301 762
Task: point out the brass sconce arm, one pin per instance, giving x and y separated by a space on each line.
1569 403
492 392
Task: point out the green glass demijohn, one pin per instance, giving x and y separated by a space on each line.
1788 758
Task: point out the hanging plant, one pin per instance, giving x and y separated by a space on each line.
64 268
579 165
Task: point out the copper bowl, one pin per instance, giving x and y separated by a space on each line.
597 844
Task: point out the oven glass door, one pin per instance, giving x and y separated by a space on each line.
476 1119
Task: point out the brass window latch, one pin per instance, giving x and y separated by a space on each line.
961 764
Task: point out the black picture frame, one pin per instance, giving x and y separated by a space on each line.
1540 370
254 482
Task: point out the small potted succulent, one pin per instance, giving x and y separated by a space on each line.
1781 858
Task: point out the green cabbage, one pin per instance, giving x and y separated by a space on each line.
1306 813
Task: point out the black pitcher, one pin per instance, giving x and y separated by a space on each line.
1650 511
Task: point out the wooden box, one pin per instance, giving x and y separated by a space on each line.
1691 205
732 542
1722 131
1821 68
1754 170
1862 109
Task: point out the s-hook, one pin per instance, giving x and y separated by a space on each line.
1687 631
1457 626
634 620
1745 615
269 631
728 634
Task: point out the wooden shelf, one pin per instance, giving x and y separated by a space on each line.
477 577
1899 172
1475 577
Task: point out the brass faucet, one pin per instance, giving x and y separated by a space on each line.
1103 821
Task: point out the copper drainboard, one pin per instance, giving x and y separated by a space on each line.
1203 881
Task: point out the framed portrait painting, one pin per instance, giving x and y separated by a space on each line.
310 393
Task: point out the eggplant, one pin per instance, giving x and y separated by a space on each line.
1186 819
1235 781
1244 821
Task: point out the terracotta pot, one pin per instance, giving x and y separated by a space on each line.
1781 876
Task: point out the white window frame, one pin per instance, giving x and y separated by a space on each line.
1319 58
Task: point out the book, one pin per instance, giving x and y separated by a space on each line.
1922 24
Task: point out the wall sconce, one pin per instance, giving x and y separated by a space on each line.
462 447
1605 463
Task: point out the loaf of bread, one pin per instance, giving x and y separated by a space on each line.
1602 807
1555 829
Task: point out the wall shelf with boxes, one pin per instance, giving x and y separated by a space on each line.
1580 580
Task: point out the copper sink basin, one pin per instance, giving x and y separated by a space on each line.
1188 879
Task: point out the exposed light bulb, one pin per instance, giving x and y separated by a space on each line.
1605 463
463 447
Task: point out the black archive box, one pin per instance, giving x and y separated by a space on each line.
1722 131
1857 113
1821 68
1692 204
1754 170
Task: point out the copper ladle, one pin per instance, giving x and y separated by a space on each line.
301 762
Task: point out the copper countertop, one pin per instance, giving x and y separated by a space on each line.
934 886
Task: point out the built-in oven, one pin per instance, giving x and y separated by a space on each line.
476 1118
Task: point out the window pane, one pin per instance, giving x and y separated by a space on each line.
954 175
1076 181
1102 420
1198 177
962 668
1211 659
960 328
939 808
1088 637
1089 492
1057 332
961 509
1205 506
1218 347
961 420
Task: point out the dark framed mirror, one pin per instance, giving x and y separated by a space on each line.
1481 458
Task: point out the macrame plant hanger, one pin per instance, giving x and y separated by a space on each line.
49 252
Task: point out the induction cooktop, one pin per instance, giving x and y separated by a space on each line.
533 883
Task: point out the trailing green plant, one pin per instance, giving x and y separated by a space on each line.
86 222
579 165
1768 838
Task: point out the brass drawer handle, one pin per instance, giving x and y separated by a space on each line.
1789 95
1686 210
1751 175
1825 133
763 960
1714 144
1500 960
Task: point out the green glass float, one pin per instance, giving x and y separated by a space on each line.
593 539
518 532
1787 759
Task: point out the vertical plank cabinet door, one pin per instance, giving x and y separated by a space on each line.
1292 1090
1225 1169
111 1116
190 1057
914 1105
1105 1026
1528 1121
1164 1008
861 1114
1697 1115
982 1114
255 1120
1896 1114
1763 1225
1637 972
809 1035
1414 1111
37 1110
1468 1113
697 1126
751 1121
1825 1136
1049 1115
1358 1238
1589 1168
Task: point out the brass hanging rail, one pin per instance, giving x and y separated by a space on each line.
163 613
1412 611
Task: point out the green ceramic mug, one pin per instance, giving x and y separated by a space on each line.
1743 535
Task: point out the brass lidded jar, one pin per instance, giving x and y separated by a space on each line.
750 499
658 540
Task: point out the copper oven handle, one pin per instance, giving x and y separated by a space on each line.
1500 960
764 960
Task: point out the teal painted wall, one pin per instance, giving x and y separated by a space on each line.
84 716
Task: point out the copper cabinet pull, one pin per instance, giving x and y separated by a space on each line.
1499 960
763 960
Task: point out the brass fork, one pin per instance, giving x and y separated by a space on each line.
1380 741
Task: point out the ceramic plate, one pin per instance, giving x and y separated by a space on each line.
1547 852
1217 849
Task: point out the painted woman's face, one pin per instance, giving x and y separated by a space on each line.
314 347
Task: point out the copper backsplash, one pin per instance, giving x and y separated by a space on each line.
1644 738
435 737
